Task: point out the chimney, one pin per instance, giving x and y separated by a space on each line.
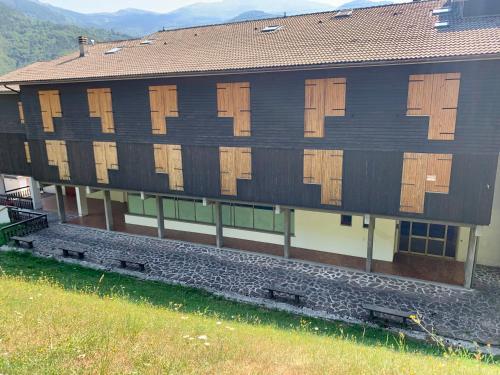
82 41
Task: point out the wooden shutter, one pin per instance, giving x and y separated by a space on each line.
27 152
55 103
225 100
47 121
436 96
175 172
101 105
331 179
161 158
438 173
335 97
57 156
105 158
324 167
241 92
171 105
413 183
163 103
227 170
21 112
243 163
314 108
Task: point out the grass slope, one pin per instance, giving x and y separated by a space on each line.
24 40
59 318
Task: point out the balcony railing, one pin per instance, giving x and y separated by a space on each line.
20 198
23 223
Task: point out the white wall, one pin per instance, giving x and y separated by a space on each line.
313 230
16 182
4 215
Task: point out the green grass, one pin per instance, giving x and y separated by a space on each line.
60 318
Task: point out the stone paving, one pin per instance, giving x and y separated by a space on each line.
337 292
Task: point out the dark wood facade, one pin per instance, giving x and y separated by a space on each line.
374 133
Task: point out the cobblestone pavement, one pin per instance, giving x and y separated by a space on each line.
452 312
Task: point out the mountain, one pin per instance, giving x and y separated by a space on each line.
139 22
252 15
363 4
24 40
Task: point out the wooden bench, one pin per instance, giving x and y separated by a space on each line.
66 252
25 240
272 289
405 315
127 263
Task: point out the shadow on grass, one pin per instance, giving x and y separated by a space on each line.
195 301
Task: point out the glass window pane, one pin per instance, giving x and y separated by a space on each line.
346 220
404 241
204 214
451 242
135 205
292 222
437 230
169 208
264 219
243 216
279 222
405 228
418 245
419 229
227 215
150 207
186 210
435 247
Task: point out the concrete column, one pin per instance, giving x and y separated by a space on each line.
286 232
60 204
2 184
369 245
35 194
108 211
81 201
471 257
219 236
160 217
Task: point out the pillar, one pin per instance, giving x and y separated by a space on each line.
219 237
160 217
60 204
286 232
471 257
35 194
108 211
2 184
81 201
369 245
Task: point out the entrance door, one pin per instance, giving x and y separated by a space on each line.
428 239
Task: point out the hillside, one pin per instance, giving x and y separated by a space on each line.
24 40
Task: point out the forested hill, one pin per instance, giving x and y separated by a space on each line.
24 40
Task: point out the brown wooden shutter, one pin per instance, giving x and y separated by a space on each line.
111 155
93 100
325 168
175 172
335 97
51 153
413 183
242 114
314 108
47 121
57 156
171 105
225 103
227 170
27 152
243 163
160 156
158 122
21 112
55 103
101 164
438 173
101 105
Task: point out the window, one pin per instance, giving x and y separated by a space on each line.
428 239
270 29
234 215
346 220
343 13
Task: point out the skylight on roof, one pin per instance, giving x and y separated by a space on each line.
270 29
147 41
441 11
112 50
343 13
439 25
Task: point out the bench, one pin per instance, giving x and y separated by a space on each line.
68 252
272 289
127 263
25 240
405 315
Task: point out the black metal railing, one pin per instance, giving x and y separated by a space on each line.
19 202
23 223
22 192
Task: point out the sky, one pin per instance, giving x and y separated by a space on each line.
162 6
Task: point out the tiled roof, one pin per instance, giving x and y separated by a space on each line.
384 34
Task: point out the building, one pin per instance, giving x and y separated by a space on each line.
369 136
